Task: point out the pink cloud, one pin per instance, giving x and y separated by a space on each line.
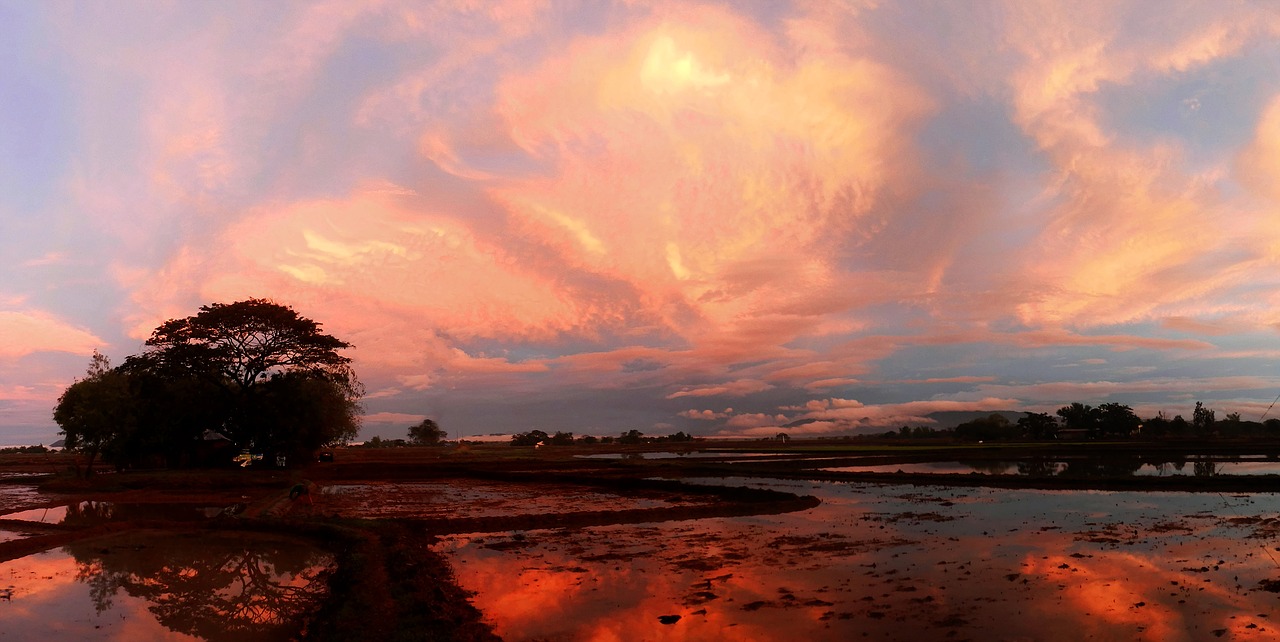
735 215
739 388
392 418
754 420
823 384
1258 165
1203 327
1116 246
31 331
965 379
703 415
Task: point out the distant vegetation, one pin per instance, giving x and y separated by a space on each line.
1106 421
247 375
540 438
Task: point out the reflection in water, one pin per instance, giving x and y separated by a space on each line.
895 562
211 586
91 513
1108 465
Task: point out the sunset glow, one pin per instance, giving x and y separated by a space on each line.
718 218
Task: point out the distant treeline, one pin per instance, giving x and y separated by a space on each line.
25 450
540 438
1108 420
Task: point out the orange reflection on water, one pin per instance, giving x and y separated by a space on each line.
891 564
165 586
49 603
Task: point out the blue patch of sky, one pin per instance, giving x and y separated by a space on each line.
1212 110
359 67
37 126
977 134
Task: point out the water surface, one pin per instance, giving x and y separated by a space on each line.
896 562
151 586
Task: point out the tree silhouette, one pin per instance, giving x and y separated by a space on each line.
426 433
96 414
259 373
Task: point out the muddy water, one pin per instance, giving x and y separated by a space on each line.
898 562
14 496
150 586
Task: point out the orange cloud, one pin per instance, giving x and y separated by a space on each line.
1116 247
703 415
740 388
1258 165
704 164
392 418
28 332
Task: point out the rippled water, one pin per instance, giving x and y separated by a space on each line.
896 562
15 496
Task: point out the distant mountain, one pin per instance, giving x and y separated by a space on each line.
953 418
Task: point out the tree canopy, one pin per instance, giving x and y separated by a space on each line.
240 345
96 413
426 433
283 385
253 371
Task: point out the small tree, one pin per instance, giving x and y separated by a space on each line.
426 433
1202 419
96 413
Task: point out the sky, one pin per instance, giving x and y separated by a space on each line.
717 218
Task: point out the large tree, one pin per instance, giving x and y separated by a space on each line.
281 383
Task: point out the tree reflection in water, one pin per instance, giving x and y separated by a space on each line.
210 585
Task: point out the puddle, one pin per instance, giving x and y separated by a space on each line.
896 562
468 499
210 586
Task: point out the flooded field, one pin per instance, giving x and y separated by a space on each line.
14 496
476 499
620 550
153 586
1075 468
897 562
